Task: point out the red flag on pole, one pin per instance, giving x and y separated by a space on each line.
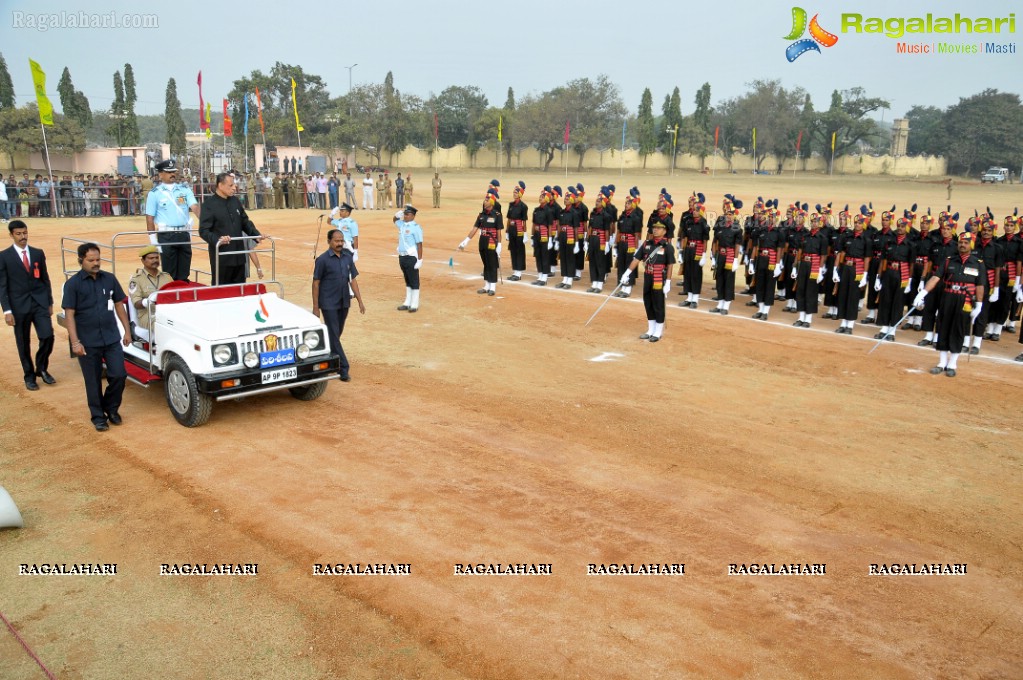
228 128
717 131
567 129
799 140
202 107
259 110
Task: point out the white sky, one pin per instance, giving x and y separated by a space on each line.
430 45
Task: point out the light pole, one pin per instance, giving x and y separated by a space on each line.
350 88
674 145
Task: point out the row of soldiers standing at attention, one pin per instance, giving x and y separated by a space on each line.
806 259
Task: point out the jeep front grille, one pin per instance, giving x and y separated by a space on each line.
284 341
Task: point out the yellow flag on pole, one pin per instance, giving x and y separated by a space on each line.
294 105
754 138
833 135
500 124
39 81
209 133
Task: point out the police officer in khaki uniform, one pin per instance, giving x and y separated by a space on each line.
436 189
141 285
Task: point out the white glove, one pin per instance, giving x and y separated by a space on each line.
523 238
507 236
994 295
152 298
923 285
625 278
703 260
863 281
419 264
918 301
745 259
750 269
498 250
607 248
575 249
550 244
877 283
398 216
738 252
794 274
667 287
557 245
1019 295
464 243
836 276
820 275
153 239
777 270
355 256
1016 284
586 246
333 212
976 312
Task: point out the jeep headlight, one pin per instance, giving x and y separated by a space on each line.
251 360
302 351
312 339
224 355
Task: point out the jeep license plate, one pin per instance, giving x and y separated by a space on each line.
280 374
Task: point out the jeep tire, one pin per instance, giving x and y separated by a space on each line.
309 392
190 407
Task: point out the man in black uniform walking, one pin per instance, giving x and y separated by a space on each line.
658 258
962 277
490 223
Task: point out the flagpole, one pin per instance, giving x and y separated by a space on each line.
49 172
621 172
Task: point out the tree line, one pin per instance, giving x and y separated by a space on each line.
587 115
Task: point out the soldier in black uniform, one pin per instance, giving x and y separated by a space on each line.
694 233
920 240
793 243
583 214
894 279
598 242
568 223
518 213
727 250
663 215
991 255
1012 253
750 229
543 237
962 278
490 223
630 231
658 257
685 221
851 263
811 267
940 249
879 242
767 258
554 211
612 212
835 234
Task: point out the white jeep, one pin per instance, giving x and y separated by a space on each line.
995 175
215 343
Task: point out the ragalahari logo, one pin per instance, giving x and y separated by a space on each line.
818 35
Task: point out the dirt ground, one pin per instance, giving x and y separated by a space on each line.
503 430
